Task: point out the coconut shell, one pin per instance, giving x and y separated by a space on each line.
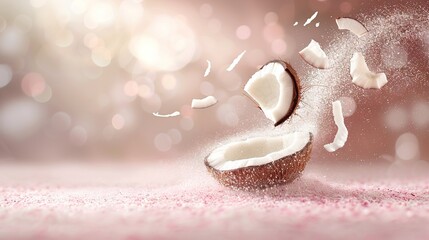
278 172
296 93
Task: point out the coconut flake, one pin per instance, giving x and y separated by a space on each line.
257 151
272 88
317 24
174 114
295 24
352 25
361 74
314 55
311 19
342 133
235 62
209 66
204 103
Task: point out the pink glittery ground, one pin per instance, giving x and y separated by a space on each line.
166 201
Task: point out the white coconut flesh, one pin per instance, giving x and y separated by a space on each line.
342 132
352 25
204 103
272 88
314 55
362 76
257 151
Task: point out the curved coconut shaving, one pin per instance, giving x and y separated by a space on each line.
361 74
204 103
352 25
342 133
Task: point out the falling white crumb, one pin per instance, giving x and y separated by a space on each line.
203 103
311 19
318 24
295 24
235 61
174 114
209 66
342 133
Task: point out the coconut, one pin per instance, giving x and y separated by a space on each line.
260 162
351 24
276 89
204 102
314 55
362 76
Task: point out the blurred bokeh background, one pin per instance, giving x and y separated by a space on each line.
81 79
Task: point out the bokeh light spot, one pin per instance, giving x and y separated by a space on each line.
78 135
163 142
396 118
131 88
271 17
243 32
61 121
186 123
118 121
206 10
169 82
33 84
348 105
5 75
278 46
407 147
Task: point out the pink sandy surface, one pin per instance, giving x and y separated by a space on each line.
171 201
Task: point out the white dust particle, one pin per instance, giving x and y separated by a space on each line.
325 86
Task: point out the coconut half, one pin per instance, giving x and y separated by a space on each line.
261 162
314 55
275 88
362 76
352 25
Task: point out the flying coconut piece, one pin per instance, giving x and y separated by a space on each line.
342 133
362 76
295 24
352 25
260 162
275 88
314 55
235 61
204 103
209 66
317 24
174 114
311 19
